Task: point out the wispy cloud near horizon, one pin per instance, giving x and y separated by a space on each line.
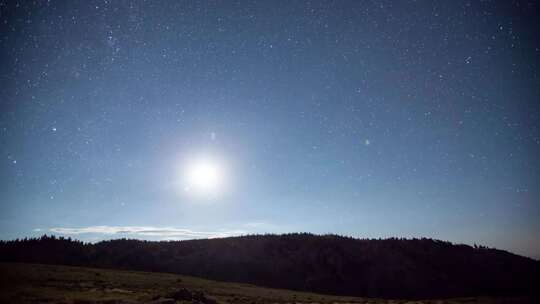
147 231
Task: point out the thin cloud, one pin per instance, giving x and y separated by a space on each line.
147 231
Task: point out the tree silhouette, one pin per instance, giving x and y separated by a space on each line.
393 268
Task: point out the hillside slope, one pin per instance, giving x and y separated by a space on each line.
36 283
391 268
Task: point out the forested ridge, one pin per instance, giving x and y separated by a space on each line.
388 268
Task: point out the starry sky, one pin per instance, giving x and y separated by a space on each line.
362 118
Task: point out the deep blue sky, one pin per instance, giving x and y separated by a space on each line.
364 118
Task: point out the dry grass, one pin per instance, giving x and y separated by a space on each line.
32 283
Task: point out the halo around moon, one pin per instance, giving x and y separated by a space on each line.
204 177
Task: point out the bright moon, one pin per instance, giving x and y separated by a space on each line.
204 177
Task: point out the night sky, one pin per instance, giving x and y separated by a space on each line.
361 118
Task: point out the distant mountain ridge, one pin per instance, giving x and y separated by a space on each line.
387 268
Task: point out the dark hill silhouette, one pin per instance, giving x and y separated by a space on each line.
388 268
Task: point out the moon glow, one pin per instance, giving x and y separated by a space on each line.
204 177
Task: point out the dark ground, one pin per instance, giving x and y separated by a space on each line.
325 264
33 283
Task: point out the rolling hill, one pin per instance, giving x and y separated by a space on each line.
387 268
36 283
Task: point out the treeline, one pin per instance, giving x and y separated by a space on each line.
388 268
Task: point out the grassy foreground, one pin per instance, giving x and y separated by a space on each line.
34 283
